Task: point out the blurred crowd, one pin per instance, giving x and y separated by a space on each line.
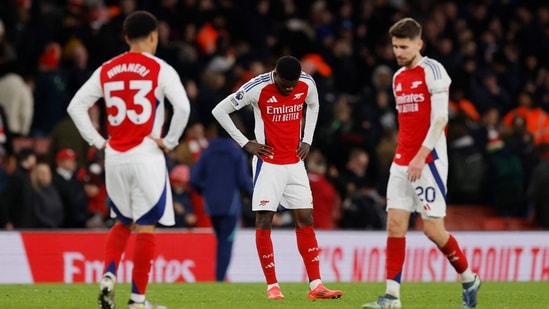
494 51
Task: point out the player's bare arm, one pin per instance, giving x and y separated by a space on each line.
417 164
303 150
435 131
260 150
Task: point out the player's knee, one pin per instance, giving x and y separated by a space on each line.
434 232
303 217
397 224
264 220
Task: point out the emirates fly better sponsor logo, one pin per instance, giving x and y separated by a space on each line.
407 103
284 112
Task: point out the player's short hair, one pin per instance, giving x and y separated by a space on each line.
139 24
406 28
288 68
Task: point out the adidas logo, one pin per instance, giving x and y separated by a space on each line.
398 87
272 100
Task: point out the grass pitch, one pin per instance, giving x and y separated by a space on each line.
496 295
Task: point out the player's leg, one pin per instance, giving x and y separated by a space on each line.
397 226
269 181
401 201
143 253
118 235
151 203
265 252
307 245
299 199
433 189
449 246
114 247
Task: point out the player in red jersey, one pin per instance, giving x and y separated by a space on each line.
278 99
133 86
418 174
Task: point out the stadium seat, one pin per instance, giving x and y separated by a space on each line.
464 217
507 224
22 142
494 224
39 144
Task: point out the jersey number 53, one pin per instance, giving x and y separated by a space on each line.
143 87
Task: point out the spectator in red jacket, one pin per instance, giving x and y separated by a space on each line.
327 211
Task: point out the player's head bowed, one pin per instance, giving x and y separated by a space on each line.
288 68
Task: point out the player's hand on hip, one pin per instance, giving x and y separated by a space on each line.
303 150
160 143
258 149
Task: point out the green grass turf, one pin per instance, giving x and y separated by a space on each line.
498 295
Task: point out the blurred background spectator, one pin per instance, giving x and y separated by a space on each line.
50 92
48 208
17 199
326 199
222 177
92 175
181 194
70 189
537 192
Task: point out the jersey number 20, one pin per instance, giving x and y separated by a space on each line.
427 194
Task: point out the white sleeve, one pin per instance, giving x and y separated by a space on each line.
438 84
176 94
222 111
78 108
311 116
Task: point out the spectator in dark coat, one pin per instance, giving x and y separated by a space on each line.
537 192
48 207
71 189
17 199
363 207
50 93
221 174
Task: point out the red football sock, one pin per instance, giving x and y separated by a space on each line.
265 252
396 250
115 246
142 256
455 256
308 248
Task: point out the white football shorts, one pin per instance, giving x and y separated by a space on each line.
138 186
427 195
286 185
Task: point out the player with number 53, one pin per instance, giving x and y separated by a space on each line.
133 86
